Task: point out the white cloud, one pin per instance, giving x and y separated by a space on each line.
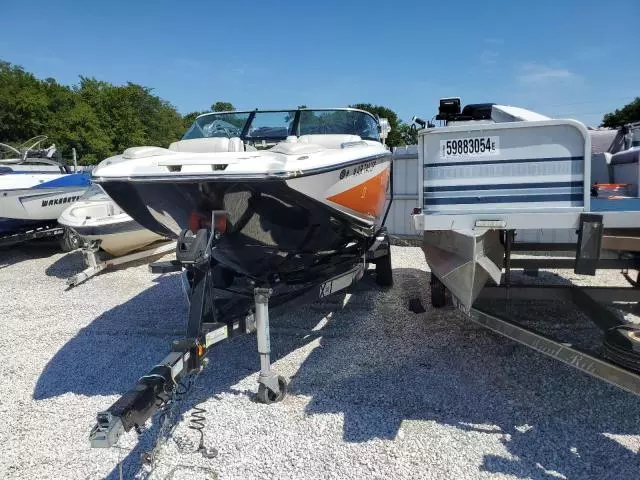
538 74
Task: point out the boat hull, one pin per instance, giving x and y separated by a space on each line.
102 221
31 204
281 227
464 261
119 239
39 197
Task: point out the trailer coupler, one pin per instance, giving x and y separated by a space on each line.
153 390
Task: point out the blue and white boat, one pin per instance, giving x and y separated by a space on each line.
34 188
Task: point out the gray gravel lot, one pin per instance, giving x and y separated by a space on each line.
376 392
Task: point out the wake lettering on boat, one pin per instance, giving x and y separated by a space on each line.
59 201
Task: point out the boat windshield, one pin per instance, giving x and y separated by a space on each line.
217 125
277 125
95 193
349 122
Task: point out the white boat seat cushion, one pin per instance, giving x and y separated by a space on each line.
205 145
328 140
236 145
288 148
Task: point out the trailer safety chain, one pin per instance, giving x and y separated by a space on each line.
167 418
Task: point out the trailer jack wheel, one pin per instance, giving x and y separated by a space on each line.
268 396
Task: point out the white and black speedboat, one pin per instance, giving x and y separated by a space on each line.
268 208
301 189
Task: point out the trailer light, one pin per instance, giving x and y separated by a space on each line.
221 223
200 350
196 221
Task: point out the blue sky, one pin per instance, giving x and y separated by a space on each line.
560 58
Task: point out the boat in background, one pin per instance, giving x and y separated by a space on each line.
487 164
102 224
493 169
34 189
29 157
625 163
98 220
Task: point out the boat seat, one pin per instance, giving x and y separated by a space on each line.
289 148
328 140
211 144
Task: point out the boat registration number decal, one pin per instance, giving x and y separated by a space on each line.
336 284
469 147
357 169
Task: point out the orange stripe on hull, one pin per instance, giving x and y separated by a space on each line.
367 198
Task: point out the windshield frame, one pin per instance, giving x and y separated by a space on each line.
295 124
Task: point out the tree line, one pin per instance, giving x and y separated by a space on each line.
100 119
630 113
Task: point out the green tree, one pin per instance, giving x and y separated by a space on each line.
189 118
408 133
96 118
628 114
395 137
222 107
24 104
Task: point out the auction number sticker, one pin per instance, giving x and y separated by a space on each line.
469 147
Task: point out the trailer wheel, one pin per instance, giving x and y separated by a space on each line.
438 292
622 346
69 240
268 396
384 271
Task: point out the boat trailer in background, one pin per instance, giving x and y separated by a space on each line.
95 264
53 230
219 311
494 169
618 361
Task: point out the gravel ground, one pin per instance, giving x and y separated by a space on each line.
376 391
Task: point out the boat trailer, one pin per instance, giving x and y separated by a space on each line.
515 170
618 361
95 264
45 230
205 330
